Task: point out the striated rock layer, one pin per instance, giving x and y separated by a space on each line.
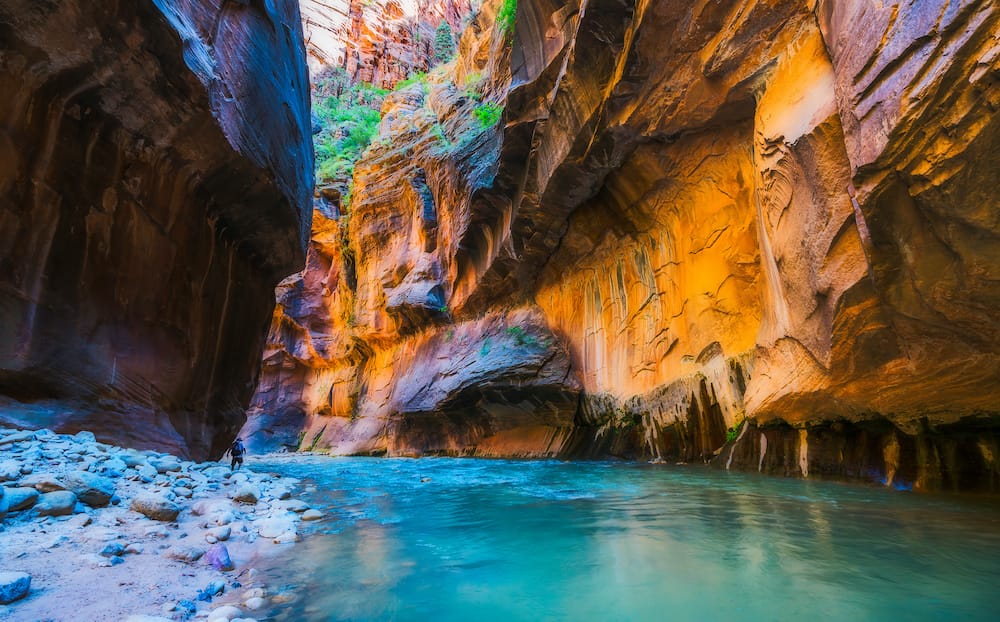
689 215
155 167
377 41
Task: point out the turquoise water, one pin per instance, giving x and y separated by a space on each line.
477 540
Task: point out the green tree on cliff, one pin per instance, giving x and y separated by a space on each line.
444 43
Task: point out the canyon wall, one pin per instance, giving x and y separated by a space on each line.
155 180
377 41
759 233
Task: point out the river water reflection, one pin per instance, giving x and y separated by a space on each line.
462 539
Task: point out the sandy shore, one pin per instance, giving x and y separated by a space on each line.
107 533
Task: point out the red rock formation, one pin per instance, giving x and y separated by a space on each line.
775 210
154 166
377 41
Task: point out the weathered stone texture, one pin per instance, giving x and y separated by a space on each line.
780 211
377 41
155 171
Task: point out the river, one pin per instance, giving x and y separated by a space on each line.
482 540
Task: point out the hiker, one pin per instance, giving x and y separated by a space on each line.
236 450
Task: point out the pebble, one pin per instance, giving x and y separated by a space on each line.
113 549
14 586
312 515
221 533
215 588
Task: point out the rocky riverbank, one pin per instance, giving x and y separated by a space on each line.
90 531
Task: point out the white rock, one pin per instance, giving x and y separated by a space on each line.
224 613
256 603
274 527
287 538
312 515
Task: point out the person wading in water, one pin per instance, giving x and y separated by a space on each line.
237 451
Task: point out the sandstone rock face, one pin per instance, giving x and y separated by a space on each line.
377 41
701 214
155 171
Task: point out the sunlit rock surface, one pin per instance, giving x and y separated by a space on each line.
377 41
775 211
155 178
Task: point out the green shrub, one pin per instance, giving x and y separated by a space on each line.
349 118
507 15
444 43
733 432
417 77
488 114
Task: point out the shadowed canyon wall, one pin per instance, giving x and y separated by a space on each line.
155 179
772 216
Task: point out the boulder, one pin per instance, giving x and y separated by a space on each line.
92 489
17 437
224 613
247 493
166 465
312 515
155 507
218 557
43 482
57 503
14 586
274 527
10 470
21 498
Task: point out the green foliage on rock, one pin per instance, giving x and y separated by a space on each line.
488 114
417 77
733 433
348 118
507 15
